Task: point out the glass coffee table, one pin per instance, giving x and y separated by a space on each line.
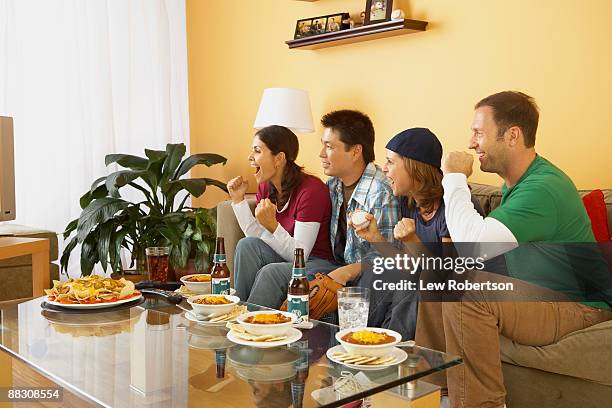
152 355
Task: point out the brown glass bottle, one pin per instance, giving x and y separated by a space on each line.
297 296
220 274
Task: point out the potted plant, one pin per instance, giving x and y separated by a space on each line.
109 223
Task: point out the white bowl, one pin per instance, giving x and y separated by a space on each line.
279 329
197 287
377 350
208 309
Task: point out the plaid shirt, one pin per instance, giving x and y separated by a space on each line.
372 194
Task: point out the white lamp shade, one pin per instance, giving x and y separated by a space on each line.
286 107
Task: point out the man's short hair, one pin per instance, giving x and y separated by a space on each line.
512 108
354 128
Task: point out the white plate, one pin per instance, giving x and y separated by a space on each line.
91 305
293 335
399 354
189 315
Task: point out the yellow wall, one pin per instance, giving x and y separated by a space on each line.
555 50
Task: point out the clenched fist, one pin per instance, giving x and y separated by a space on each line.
265 212
458 162
405 230
237 188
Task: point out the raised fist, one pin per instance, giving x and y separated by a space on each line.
458 162
405 230
265 212
237 188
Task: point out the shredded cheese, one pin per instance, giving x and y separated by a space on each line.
368 337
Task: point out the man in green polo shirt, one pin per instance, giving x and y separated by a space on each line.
540 216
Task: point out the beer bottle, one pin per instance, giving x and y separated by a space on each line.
220 274
297 296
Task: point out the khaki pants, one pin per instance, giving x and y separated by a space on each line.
471 329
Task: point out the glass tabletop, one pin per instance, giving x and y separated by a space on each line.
152 355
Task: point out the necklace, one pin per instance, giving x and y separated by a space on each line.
284 206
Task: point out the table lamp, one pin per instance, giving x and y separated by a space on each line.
286 107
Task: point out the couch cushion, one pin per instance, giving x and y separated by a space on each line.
596 209
490 198
28 232
229 229
585 354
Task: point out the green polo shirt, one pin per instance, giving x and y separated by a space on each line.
545 210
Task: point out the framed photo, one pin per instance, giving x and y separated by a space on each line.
303 28
318 25
334 23
378 11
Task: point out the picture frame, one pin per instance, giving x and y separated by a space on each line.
320 25
334 22
378 11
303 28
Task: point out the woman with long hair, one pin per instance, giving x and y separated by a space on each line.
293 211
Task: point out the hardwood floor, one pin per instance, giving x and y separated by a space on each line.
24 376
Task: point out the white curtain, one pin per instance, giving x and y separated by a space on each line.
84 78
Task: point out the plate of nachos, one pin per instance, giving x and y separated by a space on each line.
91 292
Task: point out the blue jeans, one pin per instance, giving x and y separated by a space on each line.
261 276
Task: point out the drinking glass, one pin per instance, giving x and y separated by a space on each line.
157 263
353 307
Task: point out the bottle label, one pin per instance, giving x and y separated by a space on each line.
219 258
298 305
298 272
220 286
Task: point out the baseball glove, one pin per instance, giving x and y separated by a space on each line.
323 298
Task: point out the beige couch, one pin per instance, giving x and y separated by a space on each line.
16 273
577 371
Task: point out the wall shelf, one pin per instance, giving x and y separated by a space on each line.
353 35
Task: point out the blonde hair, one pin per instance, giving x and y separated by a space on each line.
427 184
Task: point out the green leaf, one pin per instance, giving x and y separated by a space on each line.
95 184
157 159
117 241
155 155
106 231
70 227
175 155
188 232
185 251
171 233
216 183
118 179
88 197
127 160
195 187
208 159
66 254
99 211
89 254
